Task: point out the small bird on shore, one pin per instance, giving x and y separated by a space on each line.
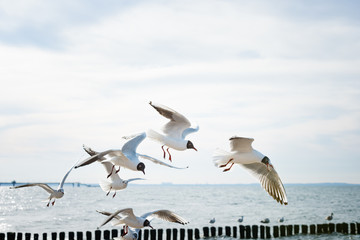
241 219
54 194
282 219
212 221
265 220
174 131
330 217
255 162
127 218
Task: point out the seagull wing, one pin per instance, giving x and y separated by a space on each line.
109 167
133 179
66 175
269 180
154 160
108 214
89 150
126 212
42 185
131 145
177 124
241 144
189 130
94 158
165 215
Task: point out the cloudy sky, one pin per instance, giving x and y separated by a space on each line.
82 72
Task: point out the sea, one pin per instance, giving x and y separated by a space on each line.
22 210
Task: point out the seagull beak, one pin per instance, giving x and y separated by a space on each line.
194 148
151 226
143 171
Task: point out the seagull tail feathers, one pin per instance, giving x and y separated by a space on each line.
105 185
220 157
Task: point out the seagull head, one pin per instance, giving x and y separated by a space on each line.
190 145
267 162
147 224
141 167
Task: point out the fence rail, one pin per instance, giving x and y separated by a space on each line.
241 232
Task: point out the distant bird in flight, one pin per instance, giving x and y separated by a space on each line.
127 218
174 131
116 183
54 194
127 157
255 162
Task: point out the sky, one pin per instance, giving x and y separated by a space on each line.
285 73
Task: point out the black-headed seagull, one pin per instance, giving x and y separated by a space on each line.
174 131
54 194
127 157
127 218
115 183
255 162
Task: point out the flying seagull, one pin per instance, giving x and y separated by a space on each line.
127 157
127 218
54 194
174 131
116 183
255 162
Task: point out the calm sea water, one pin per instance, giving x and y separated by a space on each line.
21 210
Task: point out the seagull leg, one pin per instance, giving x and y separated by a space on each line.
225 170
169 154
117 170
114 194
53 203
48 203
224 165
109 191
123 231
162 147
112 169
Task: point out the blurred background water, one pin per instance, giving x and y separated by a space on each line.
22 210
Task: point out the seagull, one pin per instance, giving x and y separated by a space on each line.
132 233
330 217
54 194
241 219
255 162
127 218
116 182
212 221
266 220
281 219
127 157
174 131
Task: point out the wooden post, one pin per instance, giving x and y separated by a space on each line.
97 234
242 231
220 231
152 234
44 236
71 236
339 227
289 230
312 229
139 234
282 231
331 227
296 229
114 233
53 235
62 235
79 235
352 228
325 228
2 236
182 233
197 233
146 234
319 228
248 231
267 229
358 227
160 233
227 231
36 236
168 234
88 235
190 234
19 236
262 231
106 234
276 231
255 230
345 228
10 236
234 231
213 231
304 229
175 233
27 236
206 231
